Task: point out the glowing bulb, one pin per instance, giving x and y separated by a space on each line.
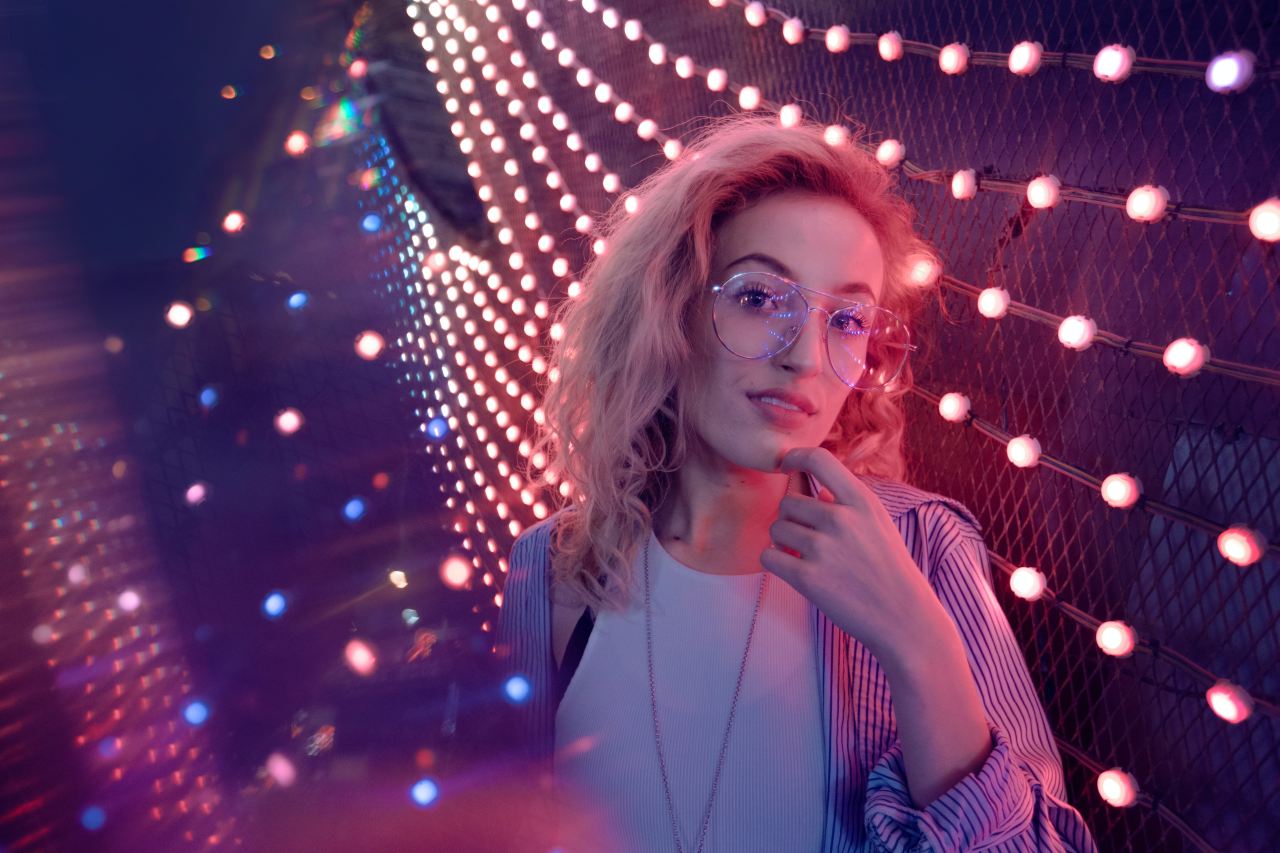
1264 220
835 134
924 271
1116 639
749 98
1028 583
1043 192
398 578
369 345
1121 490
1147 203
964 184
993 302
1024 59
1077 332
717 79
1231 71
1241 545
1117 787
281 769
179 314
1230 701
954 407
455 572
954 58
129 601
1023 451
837 38
1113 63
288 421
646 129
565 57
793 31
890 153
790 115
631 204
1185 357
623 112
297 143
657 53
196 494
685 67
672 148
890 46
360 657
233 222
755 14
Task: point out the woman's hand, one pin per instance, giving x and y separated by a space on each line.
850 561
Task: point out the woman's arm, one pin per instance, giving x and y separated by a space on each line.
989 774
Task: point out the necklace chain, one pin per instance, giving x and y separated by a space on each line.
733 706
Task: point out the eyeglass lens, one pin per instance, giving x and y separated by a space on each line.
757 315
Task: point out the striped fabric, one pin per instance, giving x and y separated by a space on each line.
1015 802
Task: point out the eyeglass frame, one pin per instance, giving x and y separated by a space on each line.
800 289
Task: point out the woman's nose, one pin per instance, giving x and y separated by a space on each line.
806 352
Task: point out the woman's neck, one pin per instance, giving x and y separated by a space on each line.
716 520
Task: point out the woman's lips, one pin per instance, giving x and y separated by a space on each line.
779 415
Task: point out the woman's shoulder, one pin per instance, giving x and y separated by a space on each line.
536 538
901 498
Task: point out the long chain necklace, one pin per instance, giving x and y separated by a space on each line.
733 707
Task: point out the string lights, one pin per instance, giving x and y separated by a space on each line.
1148 204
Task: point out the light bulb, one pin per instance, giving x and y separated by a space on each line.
1117 787
964 184
1023 451
1024 59
717 79
1230 701
1121 490
890 153
1116 638
1185 357
837 38
657 53
993 302
1028 583
755 14
954 58
1264 220
749 98
835 134
1113 63
1043 192
790 115
1147 203
1231 71
1077 332
1241 545
890 46
793 31
954 407
685 67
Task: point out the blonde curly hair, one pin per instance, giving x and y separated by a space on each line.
616 424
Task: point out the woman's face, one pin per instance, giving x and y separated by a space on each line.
824 244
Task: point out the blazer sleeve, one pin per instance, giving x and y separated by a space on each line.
1017 799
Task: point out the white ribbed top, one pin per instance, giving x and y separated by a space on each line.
771 790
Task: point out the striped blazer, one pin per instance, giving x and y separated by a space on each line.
1016 801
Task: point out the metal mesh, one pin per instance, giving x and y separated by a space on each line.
1205 446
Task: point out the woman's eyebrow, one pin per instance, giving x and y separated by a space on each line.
783 270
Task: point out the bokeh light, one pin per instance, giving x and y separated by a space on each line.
275 604
369 345
354 509
196 713
360 657
288 421
93 818
179 314
424 792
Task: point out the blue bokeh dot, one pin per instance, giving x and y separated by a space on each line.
93 818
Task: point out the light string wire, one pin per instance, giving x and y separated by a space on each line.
1105 198
1235 369
1156 650
1064 59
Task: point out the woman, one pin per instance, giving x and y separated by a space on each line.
745 632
